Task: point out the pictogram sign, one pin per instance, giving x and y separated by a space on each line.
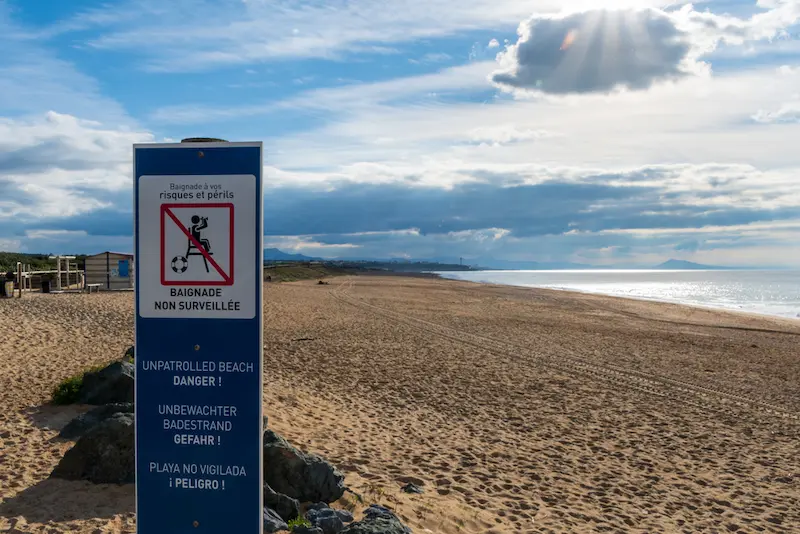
197 244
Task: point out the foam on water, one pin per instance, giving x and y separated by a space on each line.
774 293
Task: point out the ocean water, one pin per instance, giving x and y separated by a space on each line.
764 292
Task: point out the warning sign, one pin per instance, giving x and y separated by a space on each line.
198 241
197 244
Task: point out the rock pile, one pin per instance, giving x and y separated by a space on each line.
377 520
112 384
84 422
104 453
326 519
305 477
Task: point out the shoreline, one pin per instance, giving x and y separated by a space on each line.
706 307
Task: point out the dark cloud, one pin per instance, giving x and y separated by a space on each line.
594 51
572 215
543 209
105 222
525 210
48 154
550 208
692 245
682 217
10 193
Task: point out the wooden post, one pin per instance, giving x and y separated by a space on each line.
19 278
67 273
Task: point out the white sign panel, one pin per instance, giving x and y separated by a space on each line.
197 240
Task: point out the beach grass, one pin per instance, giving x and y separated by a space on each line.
298 522
298 272
68 390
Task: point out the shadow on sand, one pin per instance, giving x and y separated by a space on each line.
54 418
60 501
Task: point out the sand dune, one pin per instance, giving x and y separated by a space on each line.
517 410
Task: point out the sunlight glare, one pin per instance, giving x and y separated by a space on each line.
584 5
569 39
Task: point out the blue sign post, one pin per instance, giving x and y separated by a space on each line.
198 291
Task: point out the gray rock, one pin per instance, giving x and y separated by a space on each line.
86 421
286 507
377 520
273 522
112 384
306 530
412 488
345 516
330 524
326 519
317 506
376 510
305 477
103 455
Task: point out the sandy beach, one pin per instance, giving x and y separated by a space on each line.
518 410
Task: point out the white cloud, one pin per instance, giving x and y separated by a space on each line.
493 44
397 124
57 165
184 35
55 235
433 57
696 121
787 113
756 244
595 51
462 79
502 134
756 229
606 49
306 243
10 245
479 235
71 242
33 78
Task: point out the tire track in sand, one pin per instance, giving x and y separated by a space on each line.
703 397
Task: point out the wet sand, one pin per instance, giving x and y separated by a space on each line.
517 410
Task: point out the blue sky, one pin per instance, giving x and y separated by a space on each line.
611 133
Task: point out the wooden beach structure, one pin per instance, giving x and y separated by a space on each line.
105 271
109 271
66 276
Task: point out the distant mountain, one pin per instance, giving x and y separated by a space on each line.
687 265
274 254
